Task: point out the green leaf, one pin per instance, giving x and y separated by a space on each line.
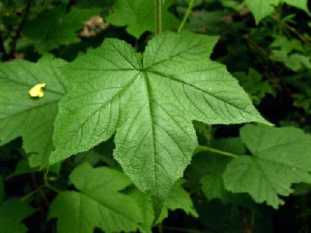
138 16
212 183
261 8
281 157
11 214
150 103
207 168
144 202
99 203
301 4
178 199
264 8
26 117
55 27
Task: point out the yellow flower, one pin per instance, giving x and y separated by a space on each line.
37 91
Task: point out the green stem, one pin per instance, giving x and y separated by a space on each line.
216 151
158 16
186 16
47 183
51 187
29 195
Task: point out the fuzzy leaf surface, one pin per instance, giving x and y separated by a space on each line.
281 157
178 199
98 203
26 117
150 102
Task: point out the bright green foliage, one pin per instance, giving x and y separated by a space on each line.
98 203
150 102
263 8
11 214
55 27
281 157
138 16
144 118
178 199
144 202
26 117
291 53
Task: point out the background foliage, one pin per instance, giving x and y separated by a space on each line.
197 123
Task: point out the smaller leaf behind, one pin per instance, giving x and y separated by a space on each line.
178 199
98 203
264 8
281 157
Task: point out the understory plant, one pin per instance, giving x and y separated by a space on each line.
153 115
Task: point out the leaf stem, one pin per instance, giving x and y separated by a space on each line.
158 16
29 195
216 151
186 16
40 191
47 183
52 188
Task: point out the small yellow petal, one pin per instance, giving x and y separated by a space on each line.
37 91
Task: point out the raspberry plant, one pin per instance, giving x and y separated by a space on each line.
115 114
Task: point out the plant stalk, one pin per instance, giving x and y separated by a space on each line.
216 151
186 16
158 16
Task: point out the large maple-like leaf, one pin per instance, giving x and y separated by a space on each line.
281 157
263 8
99 203
26 117
150 102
